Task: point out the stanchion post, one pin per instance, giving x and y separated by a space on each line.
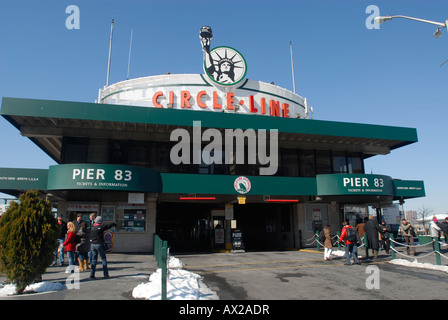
163 266
366 245
339 240
156 248
392 246
437 249
317 240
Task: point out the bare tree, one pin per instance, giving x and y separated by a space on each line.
424 214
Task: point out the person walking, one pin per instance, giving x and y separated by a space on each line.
91 222
444 227
328 246
97 245
434 231
59 249
387 229
372 229
350 237
408 233
361 232
83 247
69 246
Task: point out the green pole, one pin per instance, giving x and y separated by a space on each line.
156 248
164 267
366 245
317 240
339 242
392 246
437 248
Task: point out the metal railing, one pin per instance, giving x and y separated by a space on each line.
161 253
422 242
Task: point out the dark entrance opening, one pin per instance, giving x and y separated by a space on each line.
191 226
265 226
186 226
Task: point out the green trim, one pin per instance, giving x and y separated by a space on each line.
223 184
354 184
23 179
103 177
409 189
119 113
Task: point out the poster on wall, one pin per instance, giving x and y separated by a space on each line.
315 215
355 214
108 213
134 219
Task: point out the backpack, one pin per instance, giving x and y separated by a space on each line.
322 236
351 236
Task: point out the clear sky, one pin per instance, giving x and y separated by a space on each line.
348 72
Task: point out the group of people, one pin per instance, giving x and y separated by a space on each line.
436 228
83 241
376 235
351 237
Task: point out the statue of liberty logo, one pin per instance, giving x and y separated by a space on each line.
223 65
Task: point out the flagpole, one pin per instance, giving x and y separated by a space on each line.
129 59
292 68
110 52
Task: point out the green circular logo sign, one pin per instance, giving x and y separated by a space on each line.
225 66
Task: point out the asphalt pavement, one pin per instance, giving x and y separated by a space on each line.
268 275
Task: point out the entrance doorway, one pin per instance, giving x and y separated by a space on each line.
265 226
186 226
203 227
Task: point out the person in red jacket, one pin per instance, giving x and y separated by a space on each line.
70 246
350 237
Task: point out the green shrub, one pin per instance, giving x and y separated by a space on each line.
28 234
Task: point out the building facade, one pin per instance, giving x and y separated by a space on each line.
209 161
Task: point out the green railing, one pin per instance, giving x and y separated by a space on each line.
161 255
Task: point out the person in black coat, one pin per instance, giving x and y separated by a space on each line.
385 238
61 238
372 228
97 245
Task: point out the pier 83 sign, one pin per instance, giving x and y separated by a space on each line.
222 88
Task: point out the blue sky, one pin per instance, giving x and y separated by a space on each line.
388 76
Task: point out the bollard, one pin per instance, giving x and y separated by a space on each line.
156 248
317 240
366 245
164 267
437 249
339 240
392 246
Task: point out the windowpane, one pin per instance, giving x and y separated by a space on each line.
339 162
307 163
355 163
323 162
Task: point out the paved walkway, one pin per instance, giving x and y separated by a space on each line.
271 275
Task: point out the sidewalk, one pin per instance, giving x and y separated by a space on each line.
126 272
236 276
